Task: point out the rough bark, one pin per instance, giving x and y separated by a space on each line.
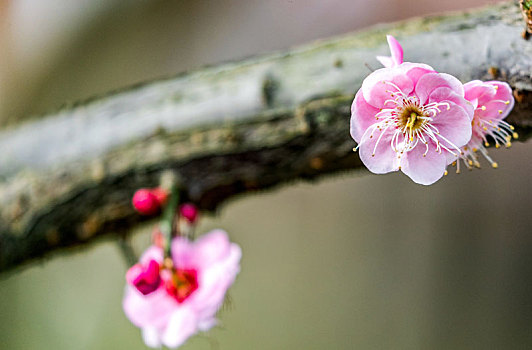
225 130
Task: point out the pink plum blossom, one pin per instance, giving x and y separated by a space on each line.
411 118
493 101
193 285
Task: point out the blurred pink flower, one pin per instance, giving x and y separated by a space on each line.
194 283
408 117
493 101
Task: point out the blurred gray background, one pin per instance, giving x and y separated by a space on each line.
356 261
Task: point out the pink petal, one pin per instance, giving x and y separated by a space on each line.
152 253
362 116
151 337
445 94
431 81
415 70
476 89
377 87
182 325
211 248
424 170
382 159
395 49
152 310
453 124
214 282
504 91
183 253
497 102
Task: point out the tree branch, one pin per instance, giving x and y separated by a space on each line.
225 130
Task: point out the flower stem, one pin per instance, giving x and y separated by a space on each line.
167 221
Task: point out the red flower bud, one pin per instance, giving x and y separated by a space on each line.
146 202
160 194
189 211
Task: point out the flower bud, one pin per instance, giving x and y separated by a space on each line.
189 211
160 194
145 202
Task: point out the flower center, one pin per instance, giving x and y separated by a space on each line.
182 284
411 118
410 123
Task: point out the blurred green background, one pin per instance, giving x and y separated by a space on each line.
356 261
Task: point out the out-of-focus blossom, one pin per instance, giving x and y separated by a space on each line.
194 282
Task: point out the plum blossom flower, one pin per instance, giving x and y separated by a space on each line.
411 118
183 295
493 101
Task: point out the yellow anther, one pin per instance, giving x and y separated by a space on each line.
515 135
483 108
445 173
470 162
512 127
354 149
500 111
497 145
494 165
486 144
484 128
506 102
454 163
475 150
508 144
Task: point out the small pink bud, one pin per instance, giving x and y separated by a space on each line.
189 211
145 202
145 278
